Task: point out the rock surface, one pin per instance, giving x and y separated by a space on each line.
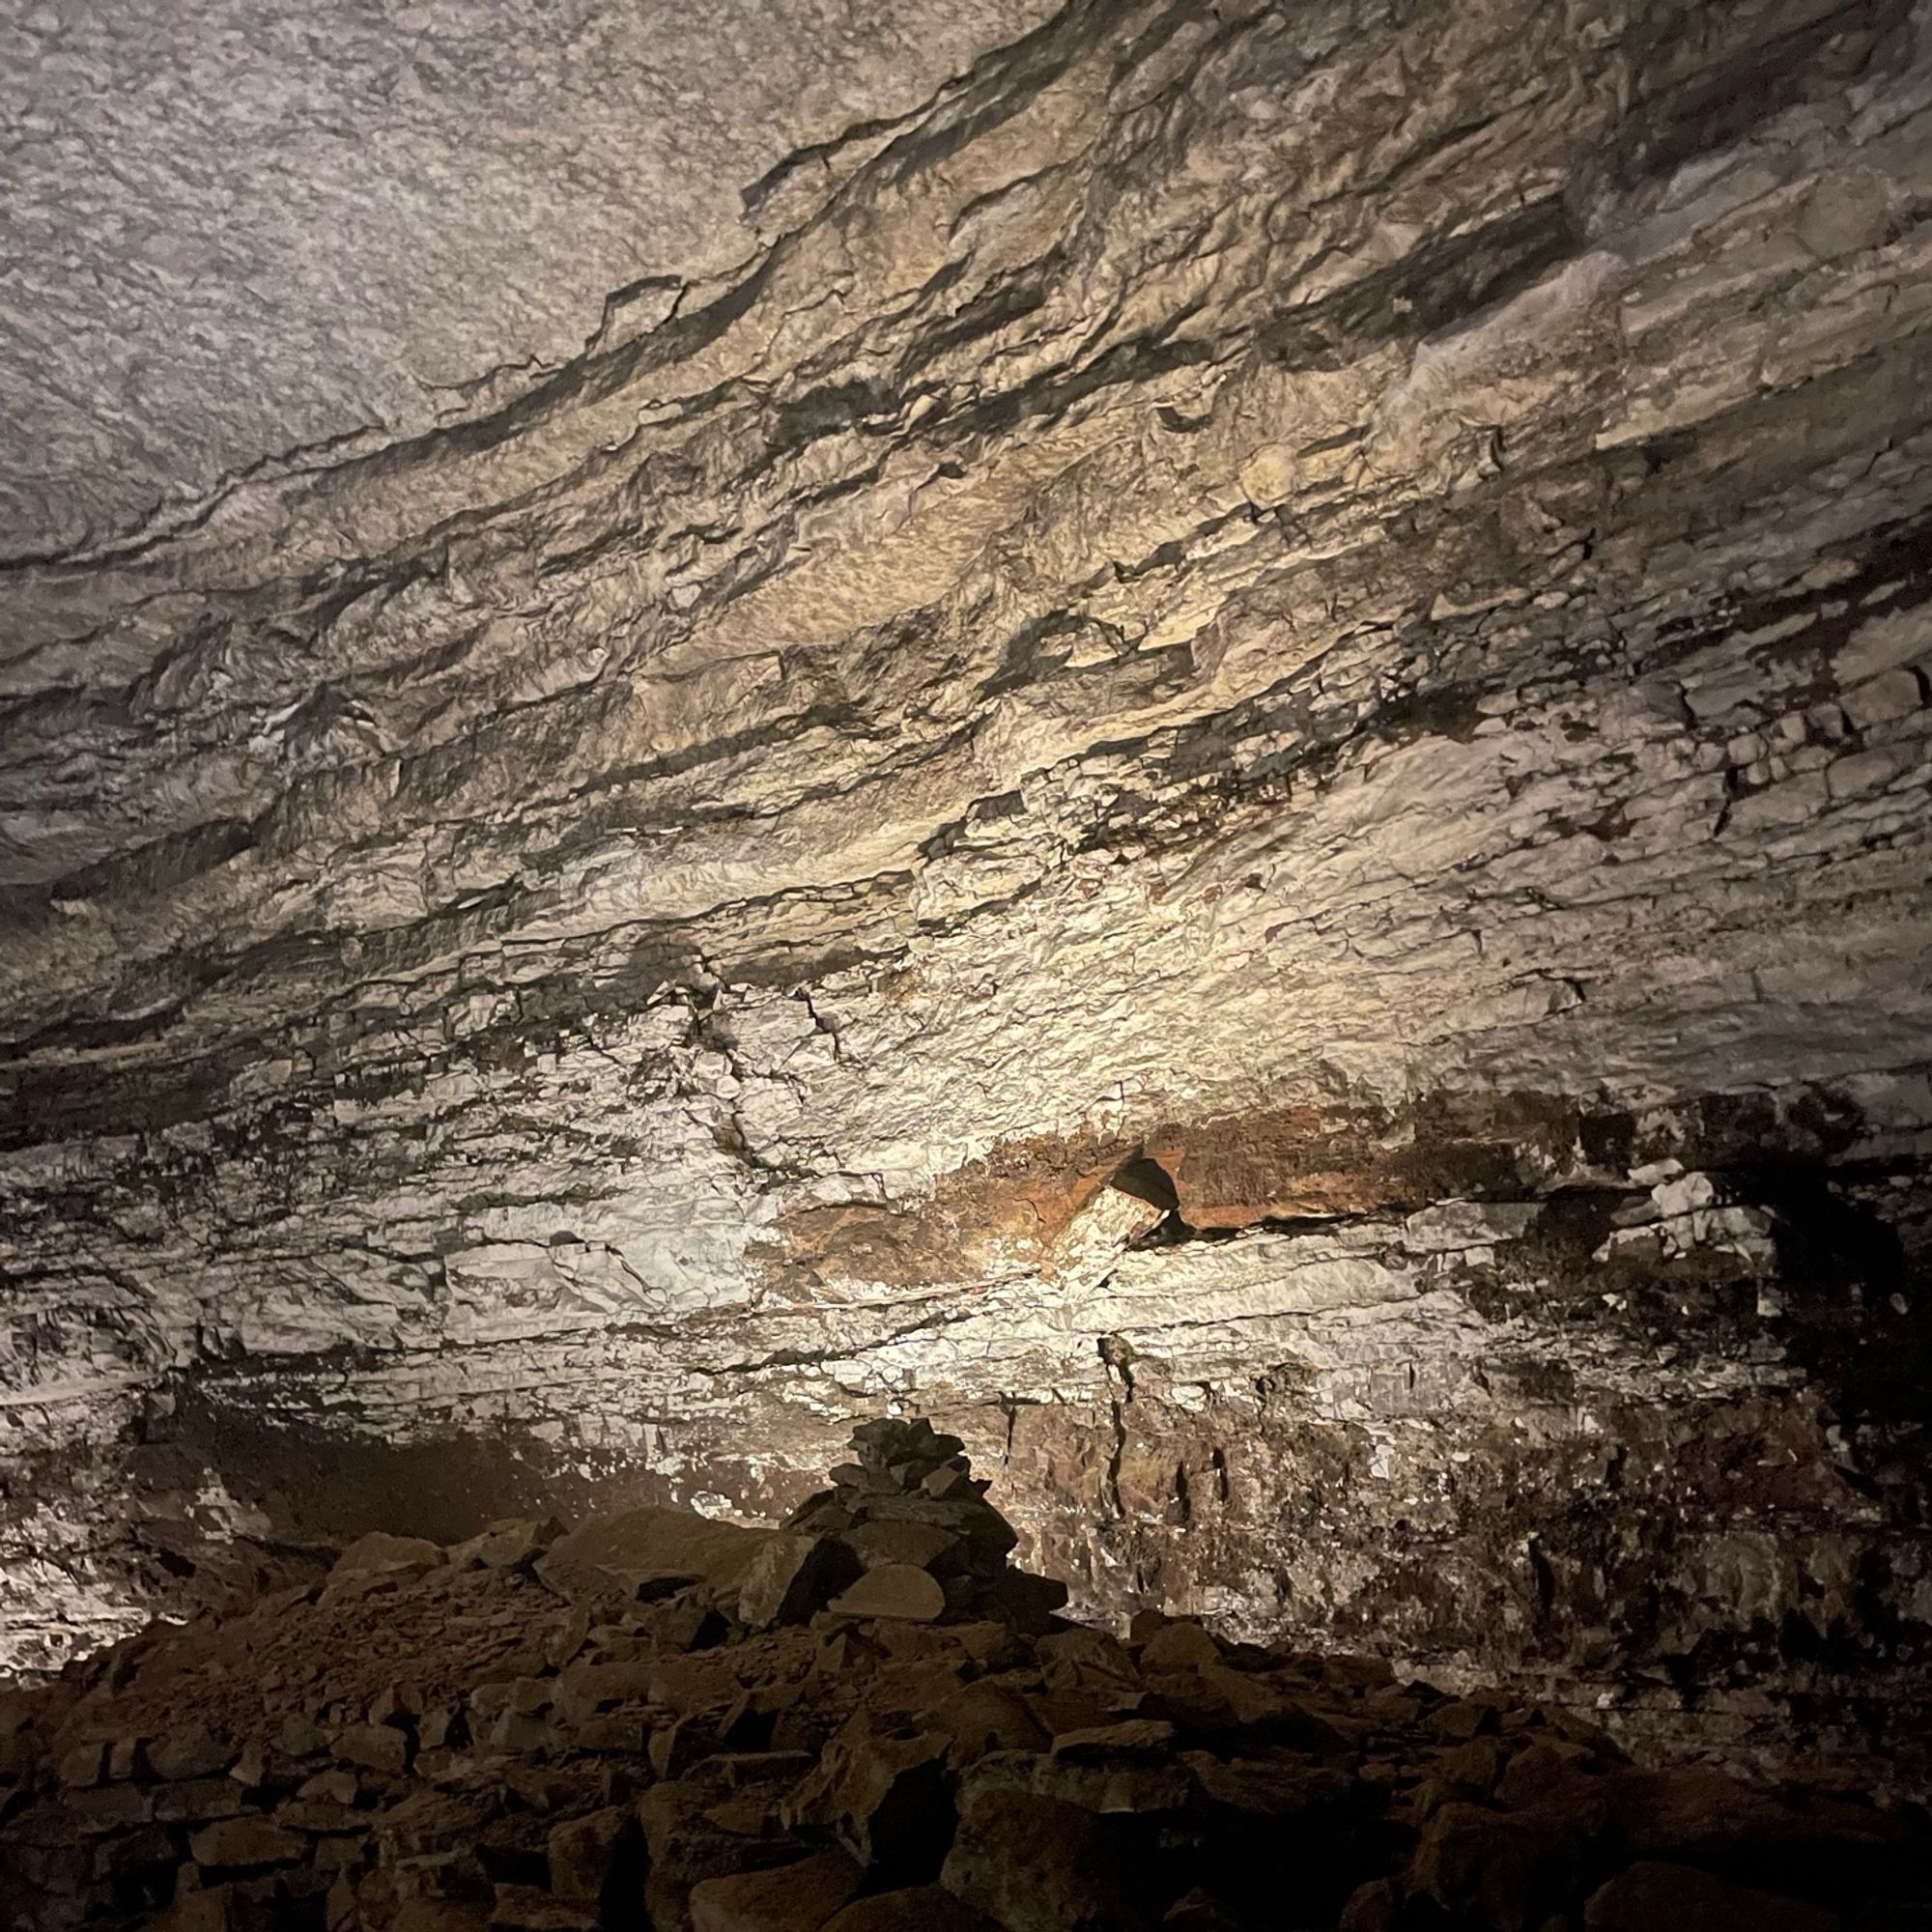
1221 764
671 1766
246 236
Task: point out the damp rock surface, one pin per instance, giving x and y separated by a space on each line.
1213 757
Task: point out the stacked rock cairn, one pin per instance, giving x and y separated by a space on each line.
905 1532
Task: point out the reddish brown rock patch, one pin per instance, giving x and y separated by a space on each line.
1019 1199
1228 1171
1288 1163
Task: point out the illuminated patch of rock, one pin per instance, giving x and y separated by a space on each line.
1225 775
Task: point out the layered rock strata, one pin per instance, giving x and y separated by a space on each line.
626 1724
1226 774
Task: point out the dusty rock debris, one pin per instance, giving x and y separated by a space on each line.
658 1721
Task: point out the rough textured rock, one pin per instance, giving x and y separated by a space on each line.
248 235
1221 760
816 1778
1650 1897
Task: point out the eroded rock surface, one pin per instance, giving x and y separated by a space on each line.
1226 772
250 236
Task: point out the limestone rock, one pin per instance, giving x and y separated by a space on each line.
1135 1737
1372 1908
794 1775
923 1908
648 1550
790 1577
1651 1897
507 1542
1038 1865
379 1554
883 1792
523 1908
719 1820
793 1898
378 1746
1510 1869
194 1751
1702 1815
893 1590
981 1718
583 1855
1201 730
245 1843
921 1545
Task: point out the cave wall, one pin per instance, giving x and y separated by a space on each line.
1224 775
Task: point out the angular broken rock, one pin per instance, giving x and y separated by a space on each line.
219 1908
440 1915
1654 1897
884 1795
197 1801
821 1514
909 1502
1134 1738
112 1806
720 1819
893 1590
1140 1787
297 1737
1029 1602
646 1550
791 1578
1179 1646
1375 1907
1261 1815
246 1843
584 1691
1039 1865
192 1751
1697 1813
529 1908
919 1545
584 1854
381 1554
1200 1911
525 1696
1065 1782
82 1764
508 1543
789 1899
924 1908
1510 1867
990 1535
374 1747
982 1718
948 1481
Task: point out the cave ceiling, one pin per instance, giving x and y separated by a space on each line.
1197 733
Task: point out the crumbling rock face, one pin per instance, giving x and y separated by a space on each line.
1226 772
627 1724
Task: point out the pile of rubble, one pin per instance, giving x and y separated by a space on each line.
864 1722
911 1520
